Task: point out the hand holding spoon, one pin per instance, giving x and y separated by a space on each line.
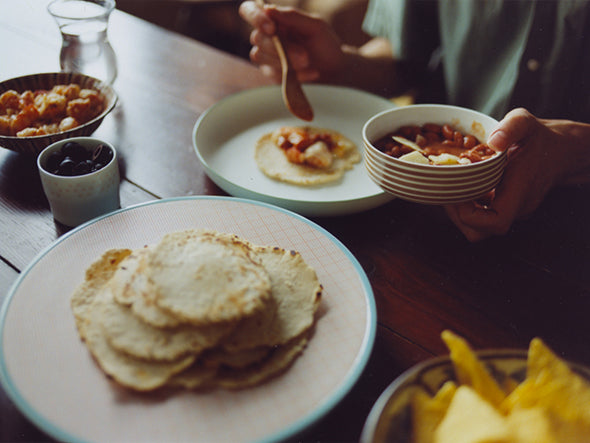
293 94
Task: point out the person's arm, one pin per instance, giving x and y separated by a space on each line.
317 53
543 154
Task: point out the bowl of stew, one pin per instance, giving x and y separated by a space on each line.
40 109
432 154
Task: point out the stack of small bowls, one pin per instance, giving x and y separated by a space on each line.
432 184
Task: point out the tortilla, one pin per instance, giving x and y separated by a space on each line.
86 302
277 361
96 276
295 296
131 287
199 309
203 279
127 333
273 162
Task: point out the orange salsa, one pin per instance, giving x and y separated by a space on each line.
434 140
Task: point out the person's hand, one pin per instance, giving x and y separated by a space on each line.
312 46
542 154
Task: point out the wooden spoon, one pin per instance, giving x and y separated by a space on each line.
293 94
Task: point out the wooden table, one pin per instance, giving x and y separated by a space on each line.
426 277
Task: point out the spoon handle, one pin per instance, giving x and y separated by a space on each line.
293 94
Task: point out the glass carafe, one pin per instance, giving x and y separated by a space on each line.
85 46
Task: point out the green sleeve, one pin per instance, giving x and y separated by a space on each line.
410 26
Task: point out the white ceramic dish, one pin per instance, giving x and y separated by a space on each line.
435 182
225 135
432 199
433 194
431 184
434 191
50 376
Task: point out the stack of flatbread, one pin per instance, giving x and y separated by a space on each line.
198 309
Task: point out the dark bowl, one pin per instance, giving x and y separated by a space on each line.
34 145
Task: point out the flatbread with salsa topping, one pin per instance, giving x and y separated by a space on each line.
305 155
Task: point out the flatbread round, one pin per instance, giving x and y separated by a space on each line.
273 162
129 334
131 287
275 363
87 301
205 279
199 309
96 276
237 359
295 296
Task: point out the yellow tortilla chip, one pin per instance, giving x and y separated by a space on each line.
563 391
470 419
552 404
553 387
470 371
428 412
531 425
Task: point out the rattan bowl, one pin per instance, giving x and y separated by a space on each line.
34 145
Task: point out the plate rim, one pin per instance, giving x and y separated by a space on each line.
377 199
293 429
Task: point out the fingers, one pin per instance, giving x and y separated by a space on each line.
264 54
471 234
512 129
310 43
256 17
477 222
535 165
263 50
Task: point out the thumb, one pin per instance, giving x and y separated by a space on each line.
512 129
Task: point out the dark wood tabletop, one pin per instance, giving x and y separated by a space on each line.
499 293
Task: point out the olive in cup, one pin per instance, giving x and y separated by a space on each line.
80 177
74 159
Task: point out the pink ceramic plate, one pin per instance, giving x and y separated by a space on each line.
49 374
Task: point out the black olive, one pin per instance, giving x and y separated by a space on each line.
96 167
66 167
83 167
53 161
73 159
75 151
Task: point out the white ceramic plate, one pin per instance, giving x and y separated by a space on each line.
225 135
49 374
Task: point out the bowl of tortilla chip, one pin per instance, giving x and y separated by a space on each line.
507 395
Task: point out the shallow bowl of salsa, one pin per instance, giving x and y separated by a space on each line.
432 154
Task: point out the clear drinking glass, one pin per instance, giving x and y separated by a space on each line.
85 46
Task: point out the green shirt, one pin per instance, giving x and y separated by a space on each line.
496 54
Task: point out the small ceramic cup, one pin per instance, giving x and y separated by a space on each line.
75 199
